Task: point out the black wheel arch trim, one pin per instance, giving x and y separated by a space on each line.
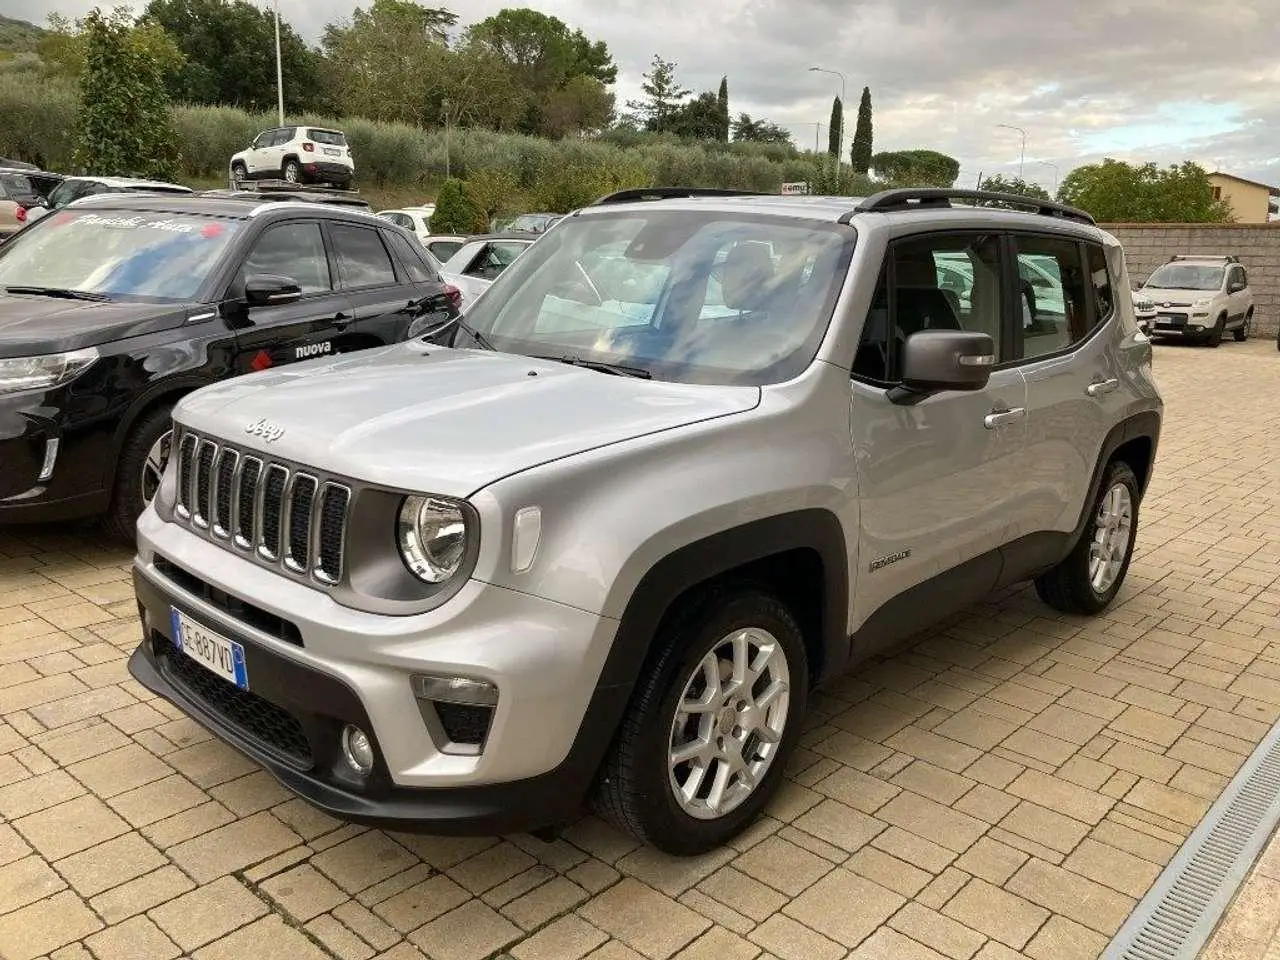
666 581
170 390
1140 426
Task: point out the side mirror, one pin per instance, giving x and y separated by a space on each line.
265 290
937 360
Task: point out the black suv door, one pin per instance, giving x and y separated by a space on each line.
317 323
385 300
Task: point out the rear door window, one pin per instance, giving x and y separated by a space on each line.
365 261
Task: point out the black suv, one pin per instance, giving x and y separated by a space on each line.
116 306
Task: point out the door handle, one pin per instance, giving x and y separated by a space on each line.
342 320
1099 387
998 418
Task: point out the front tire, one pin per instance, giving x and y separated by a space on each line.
710 724
239 172
1090 577
141 464
1215 336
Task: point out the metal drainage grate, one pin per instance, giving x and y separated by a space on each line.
1178 915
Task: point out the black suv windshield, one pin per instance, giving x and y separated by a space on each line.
117 253
1186 276
711 297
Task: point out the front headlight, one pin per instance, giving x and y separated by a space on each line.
1203 304
44 373
432 535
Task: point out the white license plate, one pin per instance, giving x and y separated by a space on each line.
332 151
212 651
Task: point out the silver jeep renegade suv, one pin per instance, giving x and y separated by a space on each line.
693 454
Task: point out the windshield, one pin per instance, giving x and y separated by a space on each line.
533 222
691 297
331 137
1187 276
151 256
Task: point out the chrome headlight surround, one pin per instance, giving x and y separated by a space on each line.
434 537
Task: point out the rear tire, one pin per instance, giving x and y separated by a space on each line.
1090 577
1241 333
138 470
291 171
735 748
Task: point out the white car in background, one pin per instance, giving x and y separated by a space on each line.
297 155
417 220
442 246
481 260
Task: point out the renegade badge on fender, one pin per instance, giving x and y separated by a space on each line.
116 306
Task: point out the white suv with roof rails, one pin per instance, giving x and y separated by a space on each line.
1200 298
297 154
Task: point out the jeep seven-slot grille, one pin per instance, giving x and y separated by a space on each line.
273 511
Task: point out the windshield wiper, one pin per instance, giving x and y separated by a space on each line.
617 369
480 339
61 292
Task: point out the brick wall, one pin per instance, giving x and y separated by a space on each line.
1147 245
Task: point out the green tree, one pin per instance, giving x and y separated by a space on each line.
1000 184
748 130
722 101
545 59
916 168
1118 192
388 61
699 119
227 46
456 212
663 96
860 152
125 127
835 130
61 48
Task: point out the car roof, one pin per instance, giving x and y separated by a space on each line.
133 182
231 207
929 206
502 235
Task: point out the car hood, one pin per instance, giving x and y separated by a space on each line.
437 420
32 325
1163 295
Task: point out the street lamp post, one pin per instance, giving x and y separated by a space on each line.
1050 163
279 69
444 105
840 126
1022 157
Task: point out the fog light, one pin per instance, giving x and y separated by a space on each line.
357 750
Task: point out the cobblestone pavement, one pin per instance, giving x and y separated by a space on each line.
1004 788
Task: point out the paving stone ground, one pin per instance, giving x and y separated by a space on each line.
1004 788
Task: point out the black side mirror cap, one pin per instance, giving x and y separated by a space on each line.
938 360
265 289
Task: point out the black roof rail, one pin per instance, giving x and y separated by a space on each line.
284 186
911 198
670 193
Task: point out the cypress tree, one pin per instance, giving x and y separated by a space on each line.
722 100
860 152
835 132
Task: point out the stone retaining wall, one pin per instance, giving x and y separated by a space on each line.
1147 245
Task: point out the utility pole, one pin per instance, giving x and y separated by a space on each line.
840 128
445 106
1022 157
1050 163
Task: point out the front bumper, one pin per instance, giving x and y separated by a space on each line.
314 666
47 472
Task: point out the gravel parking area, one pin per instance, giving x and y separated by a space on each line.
1007 787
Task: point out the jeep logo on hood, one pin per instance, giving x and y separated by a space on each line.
265 429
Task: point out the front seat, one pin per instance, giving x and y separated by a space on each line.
747 276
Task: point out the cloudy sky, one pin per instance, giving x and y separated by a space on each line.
1161 80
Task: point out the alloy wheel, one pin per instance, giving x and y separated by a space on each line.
729 723
1111 530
